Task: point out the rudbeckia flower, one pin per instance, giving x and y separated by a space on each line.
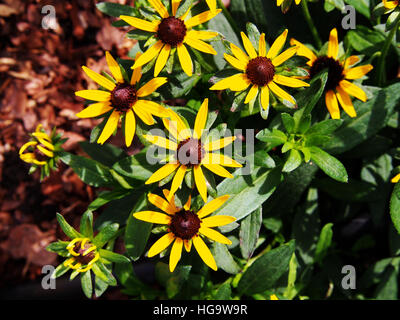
391 5
185 227
84 255
258 71
338 87
174 32
123 99
190 153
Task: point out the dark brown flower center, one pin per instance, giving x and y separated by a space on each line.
190 152
84 259
335 71
185 224
123 96
171 31
260 71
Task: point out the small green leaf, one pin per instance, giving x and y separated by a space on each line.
330 165
106 234
86 282
224 259
249 232
395 207
116 9
293 161
324 242
113 257
101 271
68 230
86 227
288 122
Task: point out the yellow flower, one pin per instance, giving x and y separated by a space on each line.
186 227
123 99
396 178
338 87
190 153
280 2
212 4
258 70
84 255
390 4
43 148
273 296
174 32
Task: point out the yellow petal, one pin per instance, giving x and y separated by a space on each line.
212 206
160 203
161 244
151 86
333 45
332 104
265 97
277 45
188 203
162 59
154 108
177 181
202 35
160 8
303 50
187 244
350 61
176 126
94 110
237 82
219 144
99 79
235 62
204 253
248 46
239 54
149 55
140 109
163 172
141 24
94 95
114 68
137 72
262 46
200 45
212 4
218 170
201 119
395 179
161 142
280 93
217 221
26 146
45 151
153 217
216 158
185 59
175 6
346 103
110 127
200 182
284 56
289 82
252 94
130 127
201 18
175 254
357 72
353 90
214 235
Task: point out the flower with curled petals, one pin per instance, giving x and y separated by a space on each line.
123 99
186 227
338 88
258 71
172 31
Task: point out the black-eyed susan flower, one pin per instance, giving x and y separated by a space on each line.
185 227
338 87
258 71
123 99
84 255
41 151
190 153
174 32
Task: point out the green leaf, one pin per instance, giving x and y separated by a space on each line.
249 233
106 234
388 287
224 259
68 230
330 165
86 282
288 122
116 9
324 242
137 232
59 271
273 138
113 257
223 292
361 6
58 246
99 287
101 271
106 154
86 227
293 161
253 34
266 270
395 207
107 196
325 127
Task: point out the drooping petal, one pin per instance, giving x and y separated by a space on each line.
201 119
141 24
99 79
201 18
163 172
153 217
248 46
110 127
140 109
353 90
280 92
265 97
214 235
160 8
252 94
289 82
94 95
94 110
284 56
175 254
185 59
161 244
160 203
219 144
332 104
200 45
277 45
333 45
130 127
236 63
149 55
204 253
177 181
218 170
200 182
213 205
48 153
237 82
346 103
217 221
162 59
151 86
357 72
114 68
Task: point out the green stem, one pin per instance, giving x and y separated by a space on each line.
228 16
382 58
311 24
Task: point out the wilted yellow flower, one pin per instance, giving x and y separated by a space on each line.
84 255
